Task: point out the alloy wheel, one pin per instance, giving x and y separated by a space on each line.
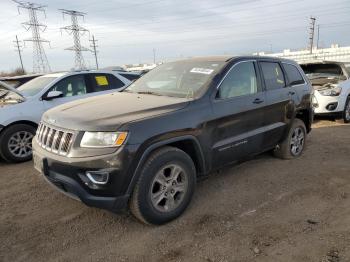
297 141
168 188
347 112
20 144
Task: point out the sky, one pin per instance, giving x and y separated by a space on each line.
129 31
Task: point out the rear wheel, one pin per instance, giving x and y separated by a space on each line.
16 143
165 186
294 143
346 113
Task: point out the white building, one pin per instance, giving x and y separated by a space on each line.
334 53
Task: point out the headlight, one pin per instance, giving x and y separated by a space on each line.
103 139
335 91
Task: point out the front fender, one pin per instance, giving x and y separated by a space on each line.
147 152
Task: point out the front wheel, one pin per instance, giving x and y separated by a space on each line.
165 186
294 143
16 143
346 113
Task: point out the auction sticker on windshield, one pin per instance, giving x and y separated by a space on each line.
205 71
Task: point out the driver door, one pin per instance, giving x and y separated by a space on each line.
72 87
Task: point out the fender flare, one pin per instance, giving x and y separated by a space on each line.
136 173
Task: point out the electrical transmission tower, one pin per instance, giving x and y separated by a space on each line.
312 33
19 50
76 30
40 62
94 46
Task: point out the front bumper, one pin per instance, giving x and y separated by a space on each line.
67 175
328 104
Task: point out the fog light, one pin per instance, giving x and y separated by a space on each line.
98 177
332 106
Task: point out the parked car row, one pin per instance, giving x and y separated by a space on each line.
144 147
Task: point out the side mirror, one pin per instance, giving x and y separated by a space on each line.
52 95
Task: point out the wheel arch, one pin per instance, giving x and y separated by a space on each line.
189 144
306 116
25 122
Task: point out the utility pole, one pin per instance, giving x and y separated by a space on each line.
76 30
40 62
311 33
94 46
318 35
18 47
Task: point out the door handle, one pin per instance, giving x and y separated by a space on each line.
291 93
258 101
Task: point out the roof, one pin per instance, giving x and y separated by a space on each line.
229 58
55 74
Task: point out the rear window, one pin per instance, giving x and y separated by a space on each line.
293 74
131 77
273 75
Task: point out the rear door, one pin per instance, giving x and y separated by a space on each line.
238 111
279 102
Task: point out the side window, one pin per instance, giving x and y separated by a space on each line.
103 82
293 74
273 75
240 81
71 86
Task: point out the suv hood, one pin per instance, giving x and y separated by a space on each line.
318 80
4 86
109 112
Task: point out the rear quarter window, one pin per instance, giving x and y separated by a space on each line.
131 77
273 75
104 82
293 74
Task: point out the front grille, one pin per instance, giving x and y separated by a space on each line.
53 139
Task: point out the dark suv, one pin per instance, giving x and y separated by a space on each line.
146 147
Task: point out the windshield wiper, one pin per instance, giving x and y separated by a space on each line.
148 93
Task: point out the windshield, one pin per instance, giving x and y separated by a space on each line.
322 69
34 86
178 79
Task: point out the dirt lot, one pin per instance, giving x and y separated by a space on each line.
262 210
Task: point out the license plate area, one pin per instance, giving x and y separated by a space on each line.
38 163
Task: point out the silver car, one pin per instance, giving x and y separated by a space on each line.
21 109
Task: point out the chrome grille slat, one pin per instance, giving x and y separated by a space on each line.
54 139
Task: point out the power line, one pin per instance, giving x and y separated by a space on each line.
19 47
40 62
76 30
94 46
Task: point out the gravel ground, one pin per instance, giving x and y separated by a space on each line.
265 209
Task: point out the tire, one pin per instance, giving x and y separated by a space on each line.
297 133
155 183
346 113
12 152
